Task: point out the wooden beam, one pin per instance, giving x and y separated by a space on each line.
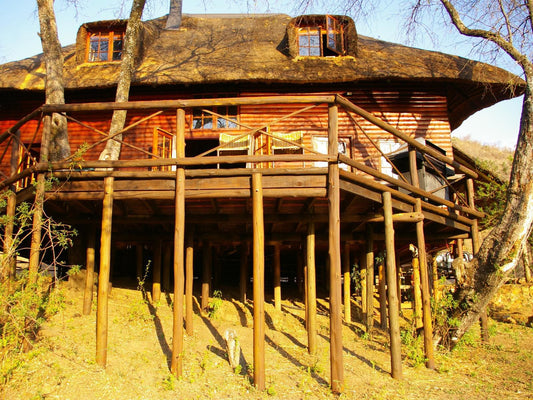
382 291
89 271
258 282
311 290
187 103
394 318
335 300
400 217
103 276
426 295
176 365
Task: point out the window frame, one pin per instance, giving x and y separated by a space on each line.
331 35
104 36
201 114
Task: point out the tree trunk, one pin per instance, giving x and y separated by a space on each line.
59 147
502 249
127 65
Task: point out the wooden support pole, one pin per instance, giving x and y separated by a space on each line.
426 296
369 262
277 277
382 291
362 281
243 281
207 261
89 271
258 281
394 318
311 289
139 262
103 275
189 278
176 364
156 276
167 257
476 244
417 294
335 300
346 283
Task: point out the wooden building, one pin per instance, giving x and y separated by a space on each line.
255 133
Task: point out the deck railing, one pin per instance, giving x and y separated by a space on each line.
150 162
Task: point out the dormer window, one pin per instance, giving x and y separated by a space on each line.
321 37
105 45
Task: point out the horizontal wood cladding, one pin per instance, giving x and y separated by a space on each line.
419 114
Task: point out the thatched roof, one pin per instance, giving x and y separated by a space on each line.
211 49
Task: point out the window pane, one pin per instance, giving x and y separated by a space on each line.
314 41
304 40
208 123
314 51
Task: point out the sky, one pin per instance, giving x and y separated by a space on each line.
19 25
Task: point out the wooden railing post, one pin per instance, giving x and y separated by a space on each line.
390 259
176 365
335 298
103 276
258 284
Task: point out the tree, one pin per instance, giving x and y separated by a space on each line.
59 148
127 67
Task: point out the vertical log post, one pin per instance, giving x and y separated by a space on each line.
476 244
243 281
311 289
346 283
334 238
189 276
207 261
103 276
176 365
156 276
258 281
277 277
369 262
394 318
426 295
417 294
89 271
382 291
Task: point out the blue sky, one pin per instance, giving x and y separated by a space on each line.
19 25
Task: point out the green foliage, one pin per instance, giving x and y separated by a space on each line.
491 197
215 303
413 344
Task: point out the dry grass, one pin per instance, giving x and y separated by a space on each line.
62 366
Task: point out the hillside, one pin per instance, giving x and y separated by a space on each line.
61 365
496 159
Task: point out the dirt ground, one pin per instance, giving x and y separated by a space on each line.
62 366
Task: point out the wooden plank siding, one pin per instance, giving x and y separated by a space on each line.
417 113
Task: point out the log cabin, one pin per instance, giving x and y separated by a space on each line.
294 143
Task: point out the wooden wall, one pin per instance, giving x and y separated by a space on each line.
417 113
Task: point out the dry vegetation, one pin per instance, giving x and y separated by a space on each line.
496 159
61 365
